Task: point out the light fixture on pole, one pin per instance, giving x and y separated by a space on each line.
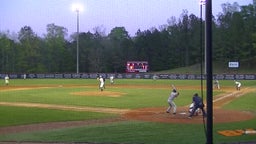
77 8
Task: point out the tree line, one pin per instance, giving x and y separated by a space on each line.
178 43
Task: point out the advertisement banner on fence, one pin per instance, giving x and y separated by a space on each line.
132 76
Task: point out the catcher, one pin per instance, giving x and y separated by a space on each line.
198 104
197 112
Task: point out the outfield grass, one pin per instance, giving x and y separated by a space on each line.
119 132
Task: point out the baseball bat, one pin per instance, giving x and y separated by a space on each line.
173 87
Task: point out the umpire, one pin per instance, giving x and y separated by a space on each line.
198 103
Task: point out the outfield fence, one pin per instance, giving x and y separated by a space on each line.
130 76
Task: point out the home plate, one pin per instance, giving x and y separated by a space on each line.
182 113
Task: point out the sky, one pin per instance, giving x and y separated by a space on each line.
107 14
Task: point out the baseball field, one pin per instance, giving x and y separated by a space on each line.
130 111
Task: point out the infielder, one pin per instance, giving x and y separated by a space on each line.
216 84
101 83
170 100
238 85
6 79
111 79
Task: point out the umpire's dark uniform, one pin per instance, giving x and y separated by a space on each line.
198 103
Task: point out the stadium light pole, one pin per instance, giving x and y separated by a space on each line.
77 8
201 3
